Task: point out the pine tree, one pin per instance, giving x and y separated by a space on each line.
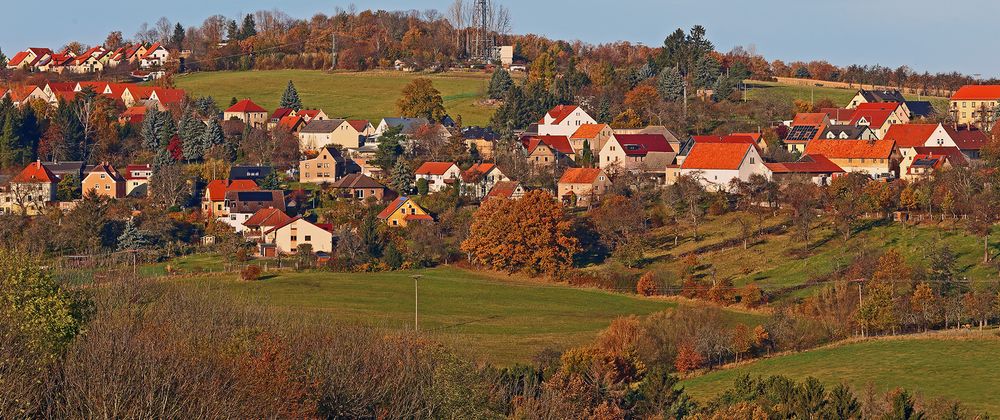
152 124
167 130
132 238
163 158
706 71
232 31
212 136
500 83
670 84
178 38
290 99
249 27
401 178
9 141
271 181
3 60
192 131
723 88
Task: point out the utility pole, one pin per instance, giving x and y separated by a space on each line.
416 303
333 51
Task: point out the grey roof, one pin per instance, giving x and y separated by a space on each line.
853 132
484 133
249 172
63 168
920 108
321 126
357 181
408 124
251 201
883 95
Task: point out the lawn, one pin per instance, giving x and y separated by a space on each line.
961 369
839 96
503 320
366 95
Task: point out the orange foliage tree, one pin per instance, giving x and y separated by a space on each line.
647 285
688 359
531 234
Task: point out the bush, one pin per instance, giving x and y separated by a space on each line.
250 273
647 285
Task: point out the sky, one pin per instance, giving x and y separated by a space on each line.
927 35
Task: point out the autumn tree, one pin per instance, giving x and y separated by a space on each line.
688 359
628 119
647 285
421 100
645 100
531 234
802 198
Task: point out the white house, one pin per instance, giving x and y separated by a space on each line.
291 235
155 56
438 174
563 120
478 180
716 164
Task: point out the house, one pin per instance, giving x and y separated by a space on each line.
213 204
104 180
63 169
406 124
277 115
875 96
879 120
353 134
348 134
360 187
637 152
972 104
815 168
28 59
480 138
846 132
583 187
969 139
248 112
438 174
908 136
511 190
563 120
548 150
593 136
311 114
30 191
258 223
290 236
155 56
251 172
838 115
877 158
292 123
804 127
246 203
403 211
758 139
326 167
716 164
137 180
901 115
480 178
317 134
921 161
22 95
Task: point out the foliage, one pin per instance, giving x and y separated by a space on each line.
420 99
647 285
500 84
41 309
250 273
670 84
132 238
290 99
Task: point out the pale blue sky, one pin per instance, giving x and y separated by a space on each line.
928 35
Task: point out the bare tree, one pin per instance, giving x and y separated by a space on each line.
164 29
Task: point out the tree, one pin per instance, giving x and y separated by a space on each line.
3 60
724 88
421 100
688 359
114 40
390 148
803 73
707 70
233 32
901 406
500 83
803 198
647 285
132 238
169 186
68 188
33 301
922 303
628 119
10 141
177 39
843 404
670 84
249 27
192 133
892 267
212 136
531 234
290 99
401 177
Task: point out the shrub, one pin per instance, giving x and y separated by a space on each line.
647 285
250 273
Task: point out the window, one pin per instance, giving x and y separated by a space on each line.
295 238
752 161
102 176
308 238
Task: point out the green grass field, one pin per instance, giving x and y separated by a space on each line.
503 320
366 95
960 369
840 96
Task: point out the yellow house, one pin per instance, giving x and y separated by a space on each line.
248 112
972 103
402 211
324 168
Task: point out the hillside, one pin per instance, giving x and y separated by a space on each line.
366 95
839 96
503 320
942 365
770 263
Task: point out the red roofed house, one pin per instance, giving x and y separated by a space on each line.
563 120
291 235
815 168
402 211
311 114
30 191
968 139
583 187
511 190
213 204
923 161
716 164
21 95
438 174
154 56
137 180
261 221
104 180
638 152
592 135
361 187
879 158
248 112
28 59
879 120
901 113
805 126
971 103
908 136
479 179
548 150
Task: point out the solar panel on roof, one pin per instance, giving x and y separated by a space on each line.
802 133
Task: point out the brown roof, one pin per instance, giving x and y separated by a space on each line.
267 217
359 125
967 138
357 181
503 189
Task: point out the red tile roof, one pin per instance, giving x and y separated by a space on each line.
589 131
434 168
580 176
955 155
503 189
812 119
851 149
967 138
267 217
169 96
245 106
839 114
808 164
311 113
559 143
419 218
217 189
291 122
716 155
559 113
131 171
392 207
18 59
977 92
108 170
876 117
281 113
359 125
35 173
642 144
910 135
475 170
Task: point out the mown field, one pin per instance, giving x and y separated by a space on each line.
839 96
365 95
770 262
504 320
963 369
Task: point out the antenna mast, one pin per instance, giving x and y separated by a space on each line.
483 45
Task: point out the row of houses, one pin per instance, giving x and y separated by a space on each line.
35 188
135 98
94 60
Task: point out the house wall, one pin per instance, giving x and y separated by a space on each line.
255 119
568 126
436 183
137 188
398 218
967 111
28 197
103 185
318 170
300 232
